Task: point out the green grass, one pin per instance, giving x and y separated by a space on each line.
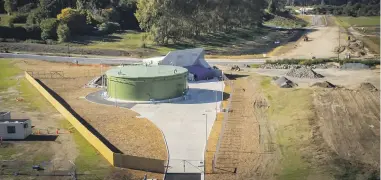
4 19
255 65
289 111
242 43
347 21
7 73
30 94
89 159
129 40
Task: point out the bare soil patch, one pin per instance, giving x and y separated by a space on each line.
304 133
348 123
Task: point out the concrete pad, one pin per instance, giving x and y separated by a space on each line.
186 124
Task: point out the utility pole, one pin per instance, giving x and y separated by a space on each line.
338 52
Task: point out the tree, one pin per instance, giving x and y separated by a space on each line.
75 20
36 16
172 19
63 33
10 6
49 29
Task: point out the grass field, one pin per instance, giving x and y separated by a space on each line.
237 44
290 110
7 71
347 21
31 153
89 160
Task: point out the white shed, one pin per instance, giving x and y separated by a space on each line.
183 58
15 128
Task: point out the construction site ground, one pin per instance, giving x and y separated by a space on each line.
130 135
302 133
350 79
323 40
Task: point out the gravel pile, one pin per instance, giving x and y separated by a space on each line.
367 86
354 66
291 66
324 84
304 73
283 82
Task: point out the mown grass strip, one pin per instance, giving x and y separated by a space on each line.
289 112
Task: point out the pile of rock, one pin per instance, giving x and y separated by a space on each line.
291 66
303 73
283 82
354 66
324 84
367 86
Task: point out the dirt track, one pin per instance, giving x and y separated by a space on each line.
313 134
322 42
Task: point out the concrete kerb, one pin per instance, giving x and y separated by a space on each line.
159 165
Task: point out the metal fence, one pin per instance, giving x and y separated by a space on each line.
226 116
62 74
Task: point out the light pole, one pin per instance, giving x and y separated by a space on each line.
206 140
338 53
101 73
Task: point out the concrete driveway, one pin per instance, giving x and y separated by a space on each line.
186 124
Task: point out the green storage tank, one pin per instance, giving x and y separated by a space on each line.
145 83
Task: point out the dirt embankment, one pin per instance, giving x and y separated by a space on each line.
346 133
312 133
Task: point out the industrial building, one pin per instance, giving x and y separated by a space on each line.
191 59
146 83
14 128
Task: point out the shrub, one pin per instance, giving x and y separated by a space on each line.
13 32
18 18
27 8
36 16
49 28
109 27
33 31
369 62
10 6
63 33
35 41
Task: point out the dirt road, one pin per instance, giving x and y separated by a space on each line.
322 41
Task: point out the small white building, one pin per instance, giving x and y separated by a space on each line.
14 128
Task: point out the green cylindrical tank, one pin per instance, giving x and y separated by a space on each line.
145 83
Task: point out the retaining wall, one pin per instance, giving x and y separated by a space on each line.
115 159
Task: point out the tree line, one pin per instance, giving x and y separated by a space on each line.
174 19
349 9
164 21
62 19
